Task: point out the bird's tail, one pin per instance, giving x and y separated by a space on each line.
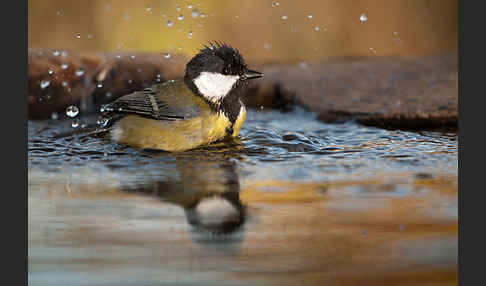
98 129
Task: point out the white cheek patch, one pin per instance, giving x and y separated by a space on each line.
215 86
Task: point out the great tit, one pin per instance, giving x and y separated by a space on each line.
183 114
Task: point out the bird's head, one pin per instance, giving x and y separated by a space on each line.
217 70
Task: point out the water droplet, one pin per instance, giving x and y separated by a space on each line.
309 16
180 17
166 55
72 111
189 35
317 29
99 85
54 116
189 6
75 123
203 15
284 17
275 4
363 18
79 72
50 71
195 13
64 66
44 84
148 8
169 23
56 53
102 122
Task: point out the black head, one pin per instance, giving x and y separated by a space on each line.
219 58
218 73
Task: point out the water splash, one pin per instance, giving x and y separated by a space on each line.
44 84
363 18
72 111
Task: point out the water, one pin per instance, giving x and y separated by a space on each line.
363 18
292 196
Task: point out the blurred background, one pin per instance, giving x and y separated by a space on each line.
262 30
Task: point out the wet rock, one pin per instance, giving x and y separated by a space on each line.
411 93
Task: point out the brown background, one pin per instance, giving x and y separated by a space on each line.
399 27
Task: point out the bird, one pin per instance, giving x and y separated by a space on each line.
201 108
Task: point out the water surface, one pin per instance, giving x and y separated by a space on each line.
292 201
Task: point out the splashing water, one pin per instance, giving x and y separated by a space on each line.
44 84
363 18
72 111
75 123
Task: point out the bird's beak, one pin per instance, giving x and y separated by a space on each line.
249 74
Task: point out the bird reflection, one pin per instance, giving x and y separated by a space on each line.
208 191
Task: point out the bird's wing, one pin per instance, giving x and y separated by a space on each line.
161 102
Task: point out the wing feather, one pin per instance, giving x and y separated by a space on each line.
158 102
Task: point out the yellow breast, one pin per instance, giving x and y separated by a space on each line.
177 135
239 121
